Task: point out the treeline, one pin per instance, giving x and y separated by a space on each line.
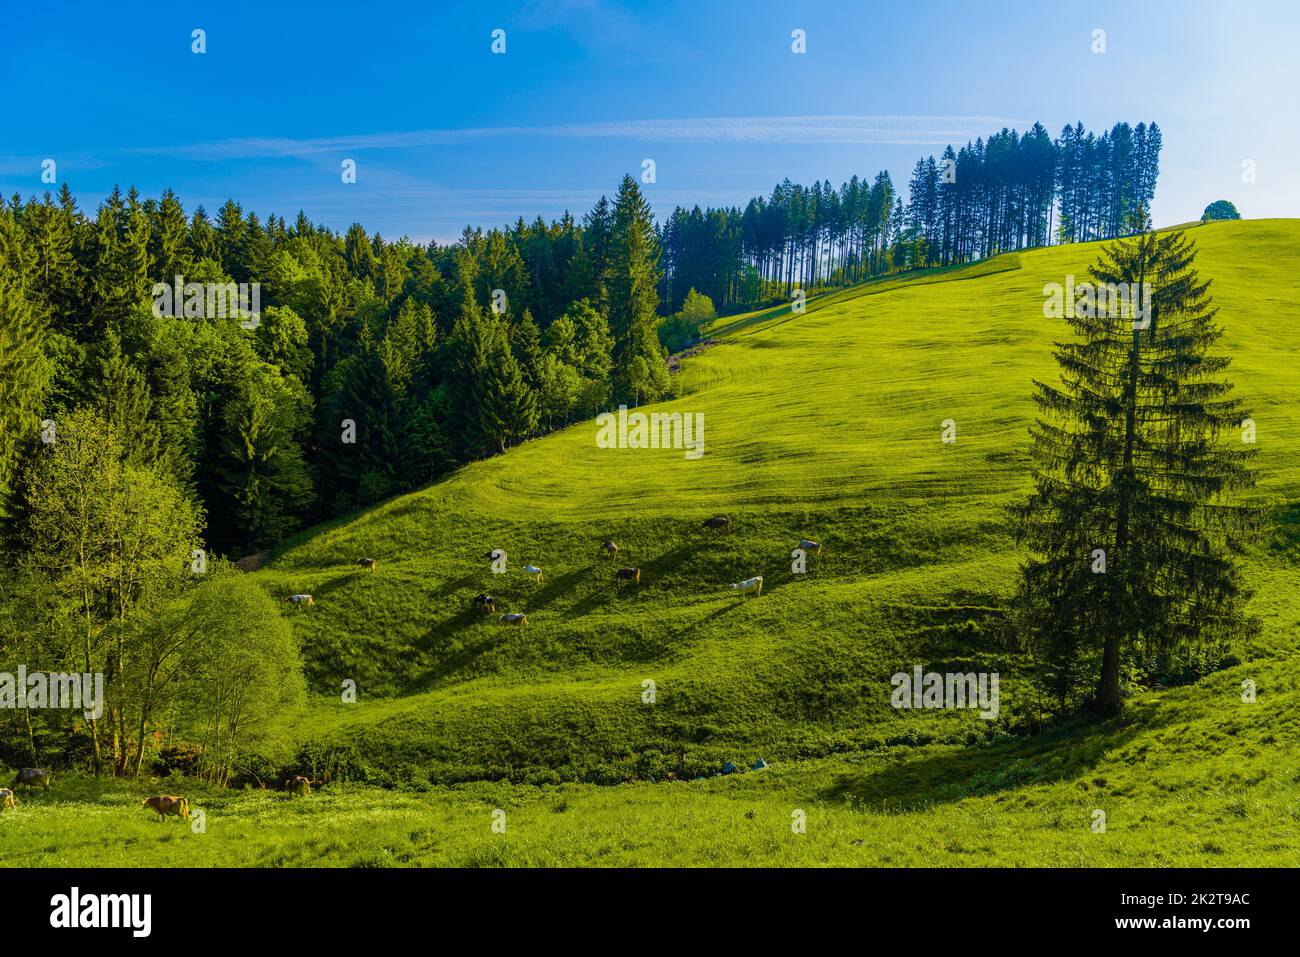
373 366
376 366
1011 191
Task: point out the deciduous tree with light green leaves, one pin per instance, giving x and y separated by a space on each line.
111 535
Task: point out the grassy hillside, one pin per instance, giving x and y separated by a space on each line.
824 425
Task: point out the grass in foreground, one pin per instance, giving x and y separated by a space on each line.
1192 777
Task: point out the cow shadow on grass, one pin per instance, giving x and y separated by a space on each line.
674 641
456 643
912 783
452 586
545 594
652 570
481 642
600 597
333 584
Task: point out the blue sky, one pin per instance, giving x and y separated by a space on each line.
446 133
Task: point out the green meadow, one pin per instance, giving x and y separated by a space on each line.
823 425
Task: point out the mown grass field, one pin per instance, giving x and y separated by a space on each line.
824 425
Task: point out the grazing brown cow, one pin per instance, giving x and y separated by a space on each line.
485 603
301 601
515 618
298 785
628 575
367 563
168 804
7 800
609 549
718 521
30 777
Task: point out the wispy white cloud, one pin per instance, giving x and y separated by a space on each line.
12 165
880 130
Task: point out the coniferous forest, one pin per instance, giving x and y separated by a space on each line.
442 354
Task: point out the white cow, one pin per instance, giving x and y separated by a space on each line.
301 601
754 584
534 571
515 618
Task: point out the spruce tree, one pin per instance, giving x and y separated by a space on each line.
526 345
1133 525
170 241
360 389
632 278
24 377
120 395
507 407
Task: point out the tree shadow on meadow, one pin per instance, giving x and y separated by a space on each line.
916 782
1286 530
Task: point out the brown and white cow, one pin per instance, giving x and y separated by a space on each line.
168 805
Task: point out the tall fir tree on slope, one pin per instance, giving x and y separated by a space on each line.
1134 525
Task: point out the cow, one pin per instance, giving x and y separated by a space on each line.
367 563
30 777
485 603
515 618
7 800
534 571
809 546
628 575
609 549
718 521
301 601
492 554
754 584
168 804
298 785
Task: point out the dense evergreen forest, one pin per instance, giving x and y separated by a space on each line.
377 365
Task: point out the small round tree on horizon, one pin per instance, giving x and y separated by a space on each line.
1220 209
